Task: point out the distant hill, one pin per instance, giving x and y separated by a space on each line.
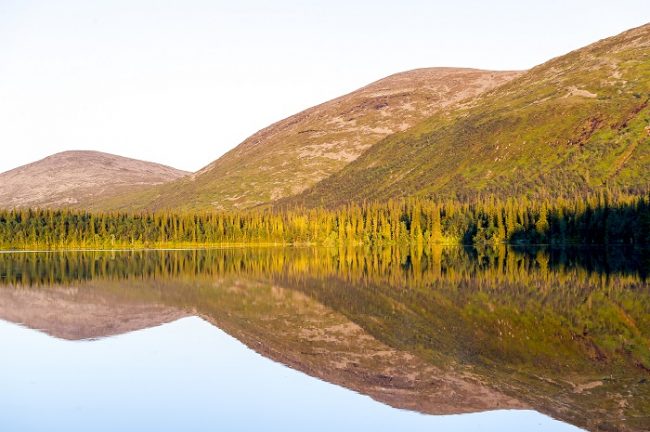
294 154
576 124
78 179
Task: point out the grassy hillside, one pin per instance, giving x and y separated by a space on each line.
578 123
293 154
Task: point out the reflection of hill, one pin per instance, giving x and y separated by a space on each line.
450 332
279 323
292 328
69 313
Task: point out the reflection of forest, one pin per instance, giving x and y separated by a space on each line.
565 333
399 266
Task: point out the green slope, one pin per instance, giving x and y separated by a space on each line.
578 123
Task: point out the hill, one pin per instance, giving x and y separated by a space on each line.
577 124
295 153
78 179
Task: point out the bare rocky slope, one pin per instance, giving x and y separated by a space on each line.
78 179
295 153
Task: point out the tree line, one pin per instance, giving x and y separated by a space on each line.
417 223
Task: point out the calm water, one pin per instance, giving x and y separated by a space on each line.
318 339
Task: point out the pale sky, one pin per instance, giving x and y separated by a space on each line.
182 82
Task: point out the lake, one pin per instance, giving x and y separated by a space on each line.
318 339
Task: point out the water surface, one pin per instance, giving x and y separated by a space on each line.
295 339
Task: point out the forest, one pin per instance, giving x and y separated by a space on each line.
599 219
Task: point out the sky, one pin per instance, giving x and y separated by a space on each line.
182 82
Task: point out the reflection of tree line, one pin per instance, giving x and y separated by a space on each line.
536 284
393 266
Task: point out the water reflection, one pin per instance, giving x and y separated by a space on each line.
189 376
454 331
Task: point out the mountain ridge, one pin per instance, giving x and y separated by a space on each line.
294 153
575 125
